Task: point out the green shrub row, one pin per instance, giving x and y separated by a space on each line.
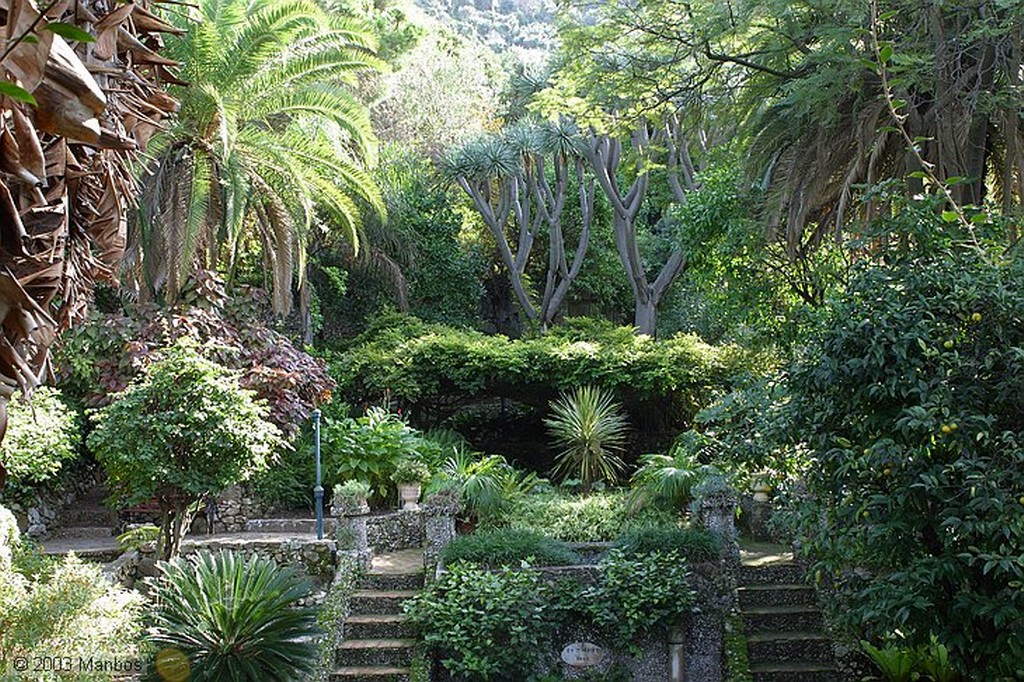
431 367
599 517
509 547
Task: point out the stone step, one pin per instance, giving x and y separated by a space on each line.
83 532
102 555
391 581
370 673
298 526
775 595
378 652
762 619
377 625
88 515
772 574
793 672
387 602
789 647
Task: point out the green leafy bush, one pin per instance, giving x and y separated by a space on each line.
234 618
667 480
512 620
910 403
599 517
694 544
181 432
900 663
42 434
486 483
67 612
370 447
639 593
516 614
509 547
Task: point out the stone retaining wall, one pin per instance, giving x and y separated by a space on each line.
394 531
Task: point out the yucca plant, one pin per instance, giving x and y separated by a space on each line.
235 618
589 428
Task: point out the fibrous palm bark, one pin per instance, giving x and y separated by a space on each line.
69 133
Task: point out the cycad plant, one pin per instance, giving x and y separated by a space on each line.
590 430
269 137
234 618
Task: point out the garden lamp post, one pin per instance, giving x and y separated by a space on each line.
318 491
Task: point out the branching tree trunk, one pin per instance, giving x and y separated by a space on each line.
604 153
511 182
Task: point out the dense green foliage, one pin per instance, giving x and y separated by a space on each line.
42 434
62 611
639 592
667 479
692 543
234 617
431 367
509 547
512 620
518 614
911 407
180 432
369 448
599 517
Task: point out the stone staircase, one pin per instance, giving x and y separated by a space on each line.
783 624
378 644
88 528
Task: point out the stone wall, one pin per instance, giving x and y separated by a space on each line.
312 558
38 515
234 507
315 559
394 531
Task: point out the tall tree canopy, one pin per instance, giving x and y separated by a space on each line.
808 85
269 139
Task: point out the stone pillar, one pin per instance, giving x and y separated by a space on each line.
716 511
704 642
350 530
439 512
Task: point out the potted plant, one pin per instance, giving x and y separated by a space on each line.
350 497
409 476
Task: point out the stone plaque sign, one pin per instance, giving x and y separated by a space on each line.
583 655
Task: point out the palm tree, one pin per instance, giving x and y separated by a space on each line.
268 140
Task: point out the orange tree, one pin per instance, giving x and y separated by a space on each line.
911 408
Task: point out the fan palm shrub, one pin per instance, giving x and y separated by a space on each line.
269 138
234 618
589 428
667 480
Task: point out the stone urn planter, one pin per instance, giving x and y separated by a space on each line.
349 499
409 476
409 495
